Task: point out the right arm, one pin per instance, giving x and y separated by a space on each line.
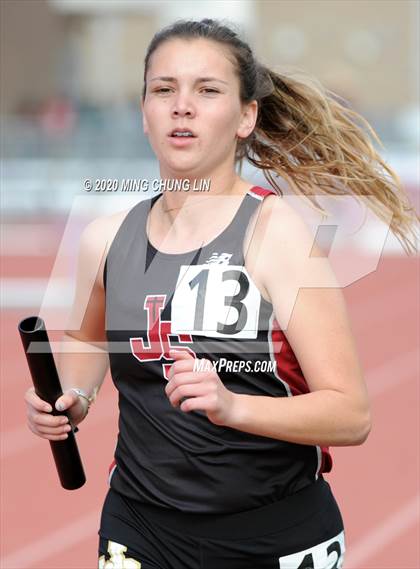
83 359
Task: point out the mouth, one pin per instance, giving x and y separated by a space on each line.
182 137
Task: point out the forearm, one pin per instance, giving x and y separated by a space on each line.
324 417
81 364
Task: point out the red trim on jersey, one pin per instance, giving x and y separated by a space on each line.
327 461
262 192
111 466
289 370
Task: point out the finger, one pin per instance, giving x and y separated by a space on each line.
54 431
36 402
57 438
180 379
188 390
46 420
67 400
195 404
181 366
51 437
181 355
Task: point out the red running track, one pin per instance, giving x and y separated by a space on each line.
376 484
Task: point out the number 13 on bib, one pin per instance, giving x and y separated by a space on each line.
216 301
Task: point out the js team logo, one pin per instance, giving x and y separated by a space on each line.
159 331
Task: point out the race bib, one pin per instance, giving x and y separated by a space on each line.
326 555
215 300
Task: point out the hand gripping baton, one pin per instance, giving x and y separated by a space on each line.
47 386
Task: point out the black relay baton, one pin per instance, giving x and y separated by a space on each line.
47 387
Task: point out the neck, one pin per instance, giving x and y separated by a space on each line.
189 203
194 218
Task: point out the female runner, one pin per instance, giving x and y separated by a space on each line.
221 467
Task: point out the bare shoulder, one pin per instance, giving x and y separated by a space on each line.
275 232
277 216
280 230
97 238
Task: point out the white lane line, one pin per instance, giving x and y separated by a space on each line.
383 534
55 542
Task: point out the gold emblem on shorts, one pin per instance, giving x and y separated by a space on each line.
117 559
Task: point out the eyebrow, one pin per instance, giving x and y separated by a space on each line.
199 80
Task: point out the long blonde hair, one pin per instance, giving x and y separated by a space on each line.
305 135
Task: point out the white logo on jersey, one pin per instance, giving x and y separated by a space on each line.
220 259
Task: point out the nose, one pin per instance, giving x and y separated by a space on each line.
183 106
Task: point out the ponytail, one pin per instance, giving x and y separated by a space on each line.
311 140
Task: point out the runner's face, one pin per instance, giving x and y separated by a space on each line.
177 97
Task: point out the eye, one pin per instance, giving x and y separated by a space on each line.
210 90
162 90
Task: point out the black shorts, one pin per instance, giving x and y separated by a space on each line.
302 531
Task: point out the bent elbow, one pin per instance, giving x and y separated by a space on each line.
364 428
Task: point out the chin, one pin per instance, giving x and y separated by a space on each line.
178 168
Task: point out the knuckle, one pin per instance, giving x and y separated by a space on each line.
186 405
29 398
179 366
35 431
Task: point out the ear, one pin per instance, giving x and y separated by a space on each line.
248 119
145 125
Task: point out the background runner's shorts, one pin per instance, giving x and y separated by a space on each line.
302 531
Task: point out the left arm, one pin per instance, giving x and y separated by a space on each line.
336 410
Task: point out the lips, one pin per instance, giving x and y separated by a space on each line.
172 133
